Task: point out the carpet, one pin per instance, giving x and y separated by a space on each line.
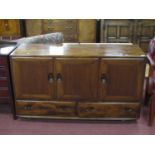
8 126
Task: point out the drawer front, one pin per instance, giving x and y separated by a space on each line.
4 93
3 72
60 26
3 61
3 82
109 110
58 22
70 38
45 108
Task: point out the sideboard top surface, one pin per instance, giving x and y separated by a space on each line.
80 50
5 49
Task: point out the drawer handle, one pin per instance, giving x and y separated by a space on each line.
50 28
90 109
50 77
128 110
6 24
103 78
65 108
59 77
68 27
28 107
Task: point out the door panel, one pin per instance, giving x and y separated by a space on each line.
121 79
77 78
32 78
118 31
9 27
145 32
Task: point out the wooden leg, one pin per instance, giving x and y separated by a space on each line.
146 99
13 109
151 110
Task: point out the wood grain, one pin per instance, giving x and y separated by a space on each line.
108 109
45 108
79 78
80 50
30 78
124 79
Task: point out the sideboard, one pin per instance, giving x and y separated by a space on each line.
78 81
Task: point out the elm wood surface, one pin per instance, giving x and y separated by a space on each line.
31 78
109 109
79 73
121 79
80 50
46 108
77 78
81 109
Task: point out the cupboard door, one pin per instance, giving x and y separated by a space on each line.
77 78
9 27
87 30
121 79
145 32
119 31
32 78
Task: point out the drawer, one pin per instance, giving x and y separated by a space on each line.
57 22
3 82
3 72
109 110
45 108
70 38
60 28
3 61
4 92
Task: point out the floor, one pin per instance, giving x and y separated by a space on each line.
8 126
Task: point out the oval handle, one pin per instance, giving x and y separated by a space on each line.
59 77
28 107
68 27
90 109
128 110
50 78
6 24
103 78
64 108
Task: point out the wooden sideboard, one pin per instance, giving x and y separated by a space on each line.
6 96
74 30
78 81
